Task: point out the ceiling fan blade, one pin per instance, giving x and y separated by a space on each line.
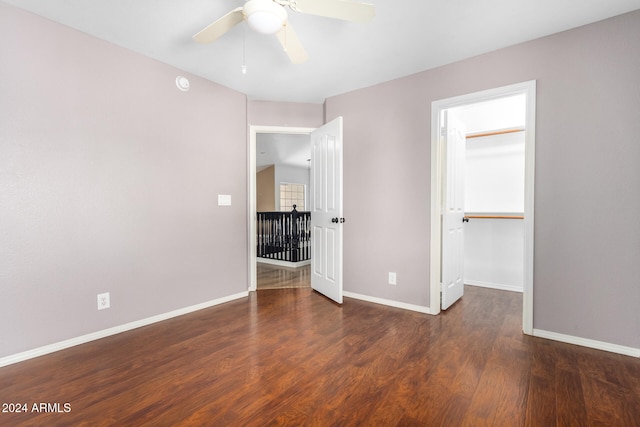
339 9
212 31
291 44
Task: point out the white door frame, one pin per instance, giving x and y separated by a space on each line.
528 88
251 212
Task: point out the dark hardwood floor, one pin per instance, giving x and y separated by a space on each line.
292 357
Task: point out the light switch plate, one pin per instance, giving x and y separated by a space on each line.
224 200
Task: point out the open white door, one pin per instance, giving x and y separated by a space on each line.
326 210
453 210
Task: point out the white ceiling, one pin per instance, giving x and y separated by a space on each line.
405 37
282 149
502 113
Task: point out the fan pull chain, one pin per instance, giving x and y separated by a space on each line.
244 61
285 36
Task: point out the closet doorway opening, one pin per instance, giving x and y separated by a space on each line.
482 195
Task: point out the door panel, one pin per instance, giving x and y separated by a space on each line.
453 211
326 209
317 267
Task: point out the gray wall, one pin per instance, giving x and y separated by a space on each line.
587 194
109 179
289 114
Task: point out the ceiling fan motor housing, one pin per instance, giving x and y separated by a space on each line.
270 17
265 16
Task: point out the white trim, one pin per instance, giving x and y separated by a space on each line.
280 263
391 303
436 212
529 197
585 342
251 179
528 88
41 351
498 286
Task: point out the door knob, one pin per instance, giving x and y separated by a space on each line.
465 219
341 220
334 220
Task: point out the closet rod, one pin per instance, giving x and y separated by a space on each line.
495 132
495 216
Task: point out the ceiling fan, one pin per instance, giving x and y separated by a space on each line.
270 17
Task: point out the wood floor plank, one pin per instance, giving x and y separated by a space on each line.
541 402
289 357
571 406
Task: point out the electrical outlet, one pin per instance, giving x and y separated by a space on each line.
104 301
392 278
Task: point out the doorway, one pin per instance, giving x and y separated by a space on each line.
325 208
439 180
254 131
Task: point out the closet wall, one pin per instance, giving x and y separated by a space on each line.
494 187
494 247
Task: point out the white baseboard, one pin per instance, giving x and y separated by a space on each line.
390 303
41 351
584 342
511 288
283 263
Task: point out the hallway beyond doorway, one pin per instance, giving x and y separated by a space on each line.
276 277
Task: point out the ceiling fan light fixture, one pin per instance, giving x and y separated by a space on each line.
265 16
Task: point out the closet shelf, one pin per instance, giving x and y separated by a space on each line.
489 216
495 132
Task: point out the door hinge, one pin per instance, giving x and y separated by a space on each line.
440 287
